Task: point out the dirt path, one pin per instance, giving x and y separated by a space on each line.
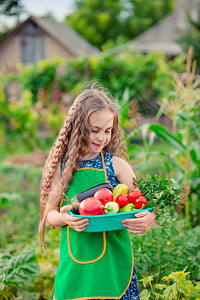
37 159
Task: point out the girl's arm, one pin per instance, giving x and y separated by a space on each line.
123 171
144 220
56 217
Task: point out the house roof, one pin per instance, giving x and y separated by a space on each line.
71 40
163 35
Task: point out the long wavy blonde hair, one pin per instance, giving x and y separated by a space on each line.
72 143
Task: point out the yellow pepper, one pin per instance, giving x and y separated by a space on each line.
121 188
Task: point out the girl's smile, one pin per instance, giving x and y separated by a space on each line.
101 124
97 145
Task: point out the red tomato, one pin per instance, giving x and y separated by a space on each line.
141 202
134 195
104 195
90 206
122 200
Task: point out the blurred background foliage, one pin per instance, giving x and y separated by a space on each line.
47 86
113 24
160 119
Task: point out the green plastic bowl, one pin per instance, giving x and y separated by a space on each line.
108 222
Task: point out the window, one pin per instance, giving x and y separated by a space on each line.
32 43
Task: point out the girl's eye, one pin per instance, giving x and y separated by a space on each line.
97 130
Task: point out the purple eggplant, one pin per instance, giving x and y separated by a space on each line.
88 193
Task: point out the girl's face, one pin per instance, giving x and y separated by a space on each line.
101 124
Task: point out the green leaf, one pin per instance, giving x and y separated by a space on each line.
169 137
10 197
146 280
3 201
195 151
170 292
177 276
19 269
160 286
3 294
144 295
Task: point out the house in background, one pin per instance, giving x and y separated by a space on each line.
163 35
41 38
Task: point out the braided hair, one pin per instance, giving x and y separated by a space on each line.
72 143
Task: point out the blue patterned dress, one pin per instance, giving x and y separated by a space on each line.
132 293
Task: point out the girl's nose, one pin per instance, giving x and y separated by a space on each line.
100 136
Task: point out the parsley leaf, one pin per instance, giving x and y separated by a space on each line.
164 194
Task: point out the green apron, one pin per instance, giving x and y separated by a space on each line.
93 265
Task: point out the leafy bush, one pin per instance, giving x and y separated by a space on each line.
163 250
25 123
146 76
17 270
39 76
34 118
178 287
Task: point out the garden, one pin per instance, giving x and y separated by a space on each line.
159 114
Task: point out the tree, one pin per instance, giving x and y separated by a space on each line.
98 21
145 14
102 21
11 8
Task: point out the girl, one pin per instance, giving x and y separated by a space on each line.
89 151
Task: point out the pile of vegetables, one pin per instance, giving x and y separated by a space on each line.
155 191
102 199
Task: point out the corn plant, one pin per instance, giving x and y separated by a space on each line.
183 108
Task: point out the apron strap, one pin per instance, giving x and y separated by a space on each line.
104 167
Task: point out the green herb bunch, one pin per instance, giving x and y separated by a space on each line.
164 194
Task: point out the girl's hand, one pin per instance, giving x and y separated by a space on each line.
141 223
76 223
